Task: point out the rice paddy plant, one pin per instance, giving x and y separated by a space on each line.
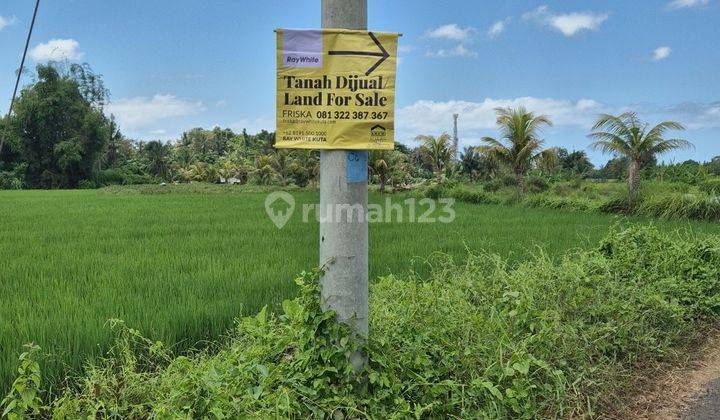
548 337
183 263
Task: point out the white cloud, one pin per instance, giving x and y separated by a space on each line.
497 28
569 24
451 31
253 126
458 51
405 49
687 4
140 112
661 53
221 103
479 118
6 22
57 50
402 51
427 117
694 115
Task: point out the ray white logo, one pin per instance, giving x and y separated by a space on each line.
279 207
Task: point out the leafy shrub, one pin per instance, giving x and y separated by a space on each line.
617 204
651 188
493 185
111 177
576 183
14 179
140 179
87 184
125 176
556 202
436 191
537 185
681 206
10 181
711 186
190 188
475 196
561 189
547 338
499 182
23 399
594 189
688 173
512 198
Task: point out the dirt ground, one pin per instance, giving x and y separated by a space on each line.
691 391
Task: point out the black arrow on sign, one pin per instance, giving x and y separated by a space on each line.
383 54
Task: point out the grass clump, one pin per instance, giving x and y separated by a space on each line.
190 188
711 186
473 195
479 339
681 206
551 201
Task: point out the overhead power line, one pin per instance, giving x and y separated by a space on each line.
19 75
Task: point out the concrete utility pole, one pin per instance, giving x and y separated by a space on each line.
344 241
455 137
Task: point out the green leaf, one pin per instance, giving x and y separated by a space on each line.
493 390
523 367
260 317
263 370
9 407
290 307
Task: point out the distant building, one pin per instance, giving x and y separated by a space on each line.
231 181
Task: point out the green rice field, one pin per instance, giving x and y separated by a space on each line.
181 266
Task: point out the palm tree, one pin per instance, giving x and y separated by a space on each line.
309 160
476 165
265 169
284 165
380 164
227 170
400 170
157 154
204 172
437 151
388 166
519 145
626 135
185 174
114 143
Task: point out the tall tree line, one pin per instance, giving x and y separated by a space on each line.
60 137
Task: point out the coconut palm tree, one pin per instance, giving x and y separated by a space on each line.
628 136
519 145
227 170
437 151
264 170
204 172
400 170
157 155
185 174
379 164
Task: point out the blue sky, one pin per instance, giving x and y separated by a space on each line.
175 64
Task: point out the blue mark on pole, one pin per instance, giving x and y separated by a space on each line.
357 166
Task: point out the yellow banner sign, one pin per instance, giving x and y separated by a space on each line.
335 89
